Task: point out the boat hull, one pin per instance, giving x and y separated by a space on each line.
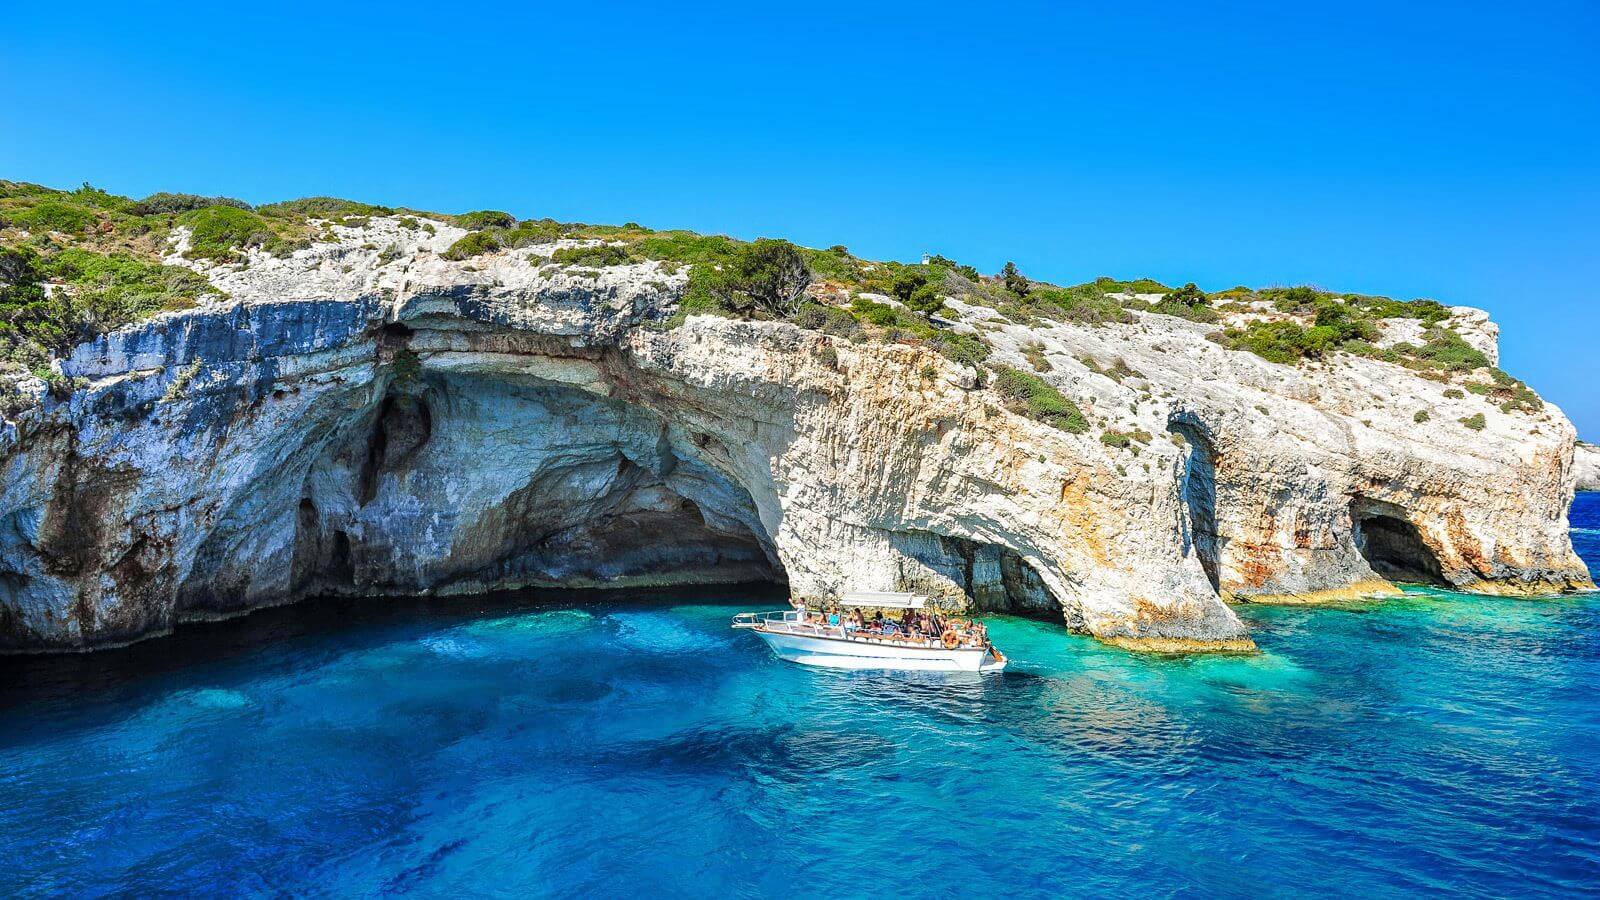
855 654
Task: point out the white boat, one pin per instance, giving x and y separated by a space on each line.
808 638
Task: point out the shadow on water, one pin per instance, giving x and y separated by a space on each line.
355 621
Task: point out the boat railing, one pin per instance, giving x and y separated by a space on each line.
792 621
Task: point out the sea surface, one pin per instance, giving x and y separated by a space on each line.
1440 743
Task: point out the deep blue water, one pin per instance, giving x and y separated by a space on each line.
1437 743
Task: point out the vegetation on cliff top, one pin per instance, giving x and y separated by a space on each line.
102 252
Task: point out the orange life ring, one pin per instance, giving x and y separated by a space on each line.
951 639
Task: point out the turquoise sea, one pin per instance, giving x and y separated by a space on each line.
1441 743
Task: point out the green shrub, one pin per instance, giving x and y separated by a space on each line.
407 366
964 349
826 319
321 208
887 316
1279 342
1115 439
596 257
484 218
115 289
1431 312
1189 295
543 231
1039 400
1078 304
1476 422
1108 285
473 244
1180 309
32 324
1447 350
219 230
1420 417
165 203
1454 394
1036 357
688 248
181 381
102 292
52 216
917 287
834 264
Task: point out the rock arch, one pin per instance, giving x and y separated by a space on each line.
1198 488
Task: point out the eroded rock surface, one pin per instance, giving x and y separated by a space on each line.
1586 462
351 421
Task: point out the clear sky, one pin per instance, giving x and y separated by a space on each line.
1447 150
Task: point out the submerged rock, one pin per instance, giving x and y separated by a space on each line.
395 423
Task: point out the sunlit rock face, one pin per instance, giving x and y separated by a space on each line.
1586 465
399 424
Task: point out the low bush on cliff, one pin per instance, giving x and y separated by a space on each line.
164 203
1108 285
1335 327
966 349
597 257
94 293
112 290
221 232
1280 342
1445 349
484 218
52 216
826 319
474 244
321 208
1036 398
33 323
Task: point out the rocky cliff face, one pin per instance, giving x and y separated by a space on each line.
1586 463
357 421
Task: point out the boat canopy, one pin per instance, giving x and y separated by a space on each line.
889 599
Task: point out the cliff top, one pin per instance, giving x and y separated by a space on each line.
77 263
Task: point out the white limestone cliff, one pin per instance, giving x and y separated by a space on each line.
1586 464
353 420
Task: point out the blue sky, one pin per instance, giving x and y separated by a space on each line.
1447 150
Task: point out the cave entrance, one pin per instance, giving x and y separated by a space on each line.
1199 491
1393 547
467 484
993 578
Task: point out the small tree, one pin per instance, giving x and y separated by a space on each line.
1189 295
770 275
1015 282
906 282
